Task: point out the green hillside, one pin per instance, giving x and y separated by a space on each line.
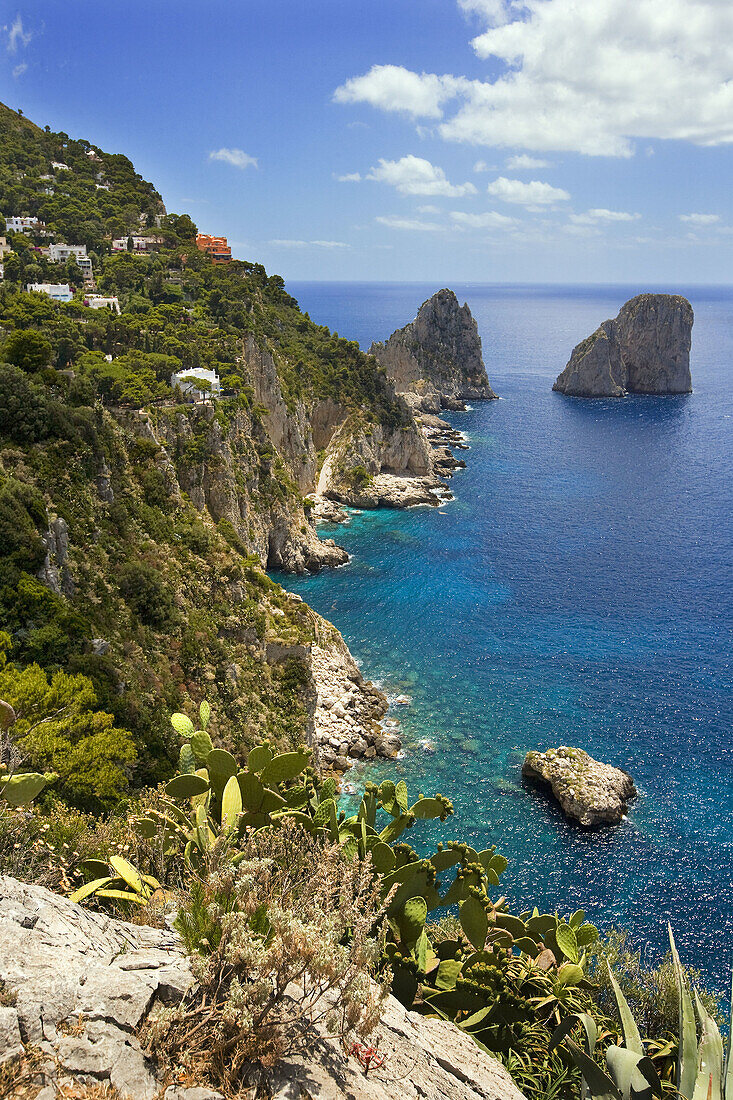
171 589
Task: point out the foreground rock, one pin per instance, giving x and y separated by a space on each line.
77 985
425 1060
588 791
435 361
80 984
646 349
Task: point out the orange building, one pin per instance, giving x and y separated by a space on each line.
216 247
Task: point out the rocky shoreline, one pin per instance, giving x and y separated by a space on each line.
349 712
349 719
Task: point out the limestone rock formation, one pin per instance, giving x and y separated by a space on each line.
435 361
370 466
77 985
646 349
590 792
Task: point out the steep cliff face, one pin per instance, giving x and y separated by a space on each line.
228 467
369 466
655 332
436 361
646 349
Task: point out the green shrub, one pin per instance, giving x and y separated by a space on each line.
147 592
59 729
27 349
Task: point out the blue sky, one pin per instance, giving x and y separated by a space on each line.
436 140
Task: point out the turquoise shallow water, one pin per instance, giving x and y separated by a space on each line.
578 591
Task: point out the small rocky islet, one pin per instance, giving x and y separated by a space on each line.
644 350
589 792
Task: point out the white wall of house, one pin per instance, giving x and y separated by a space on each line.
187 379
59 292
60 253
22 225
95 301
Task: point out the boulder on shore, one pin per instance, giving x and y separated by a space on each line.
435 362
646 349
590 792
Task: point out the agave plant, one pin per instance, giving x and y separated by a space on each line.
117 881
702 1071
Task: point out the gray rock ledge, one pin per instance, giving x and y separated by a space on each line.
78 984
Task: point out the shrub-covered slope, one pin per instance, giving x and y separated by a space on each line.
133 527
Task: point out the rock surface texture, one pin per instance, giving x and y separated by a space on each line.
81 984
435 361
646 349
588 791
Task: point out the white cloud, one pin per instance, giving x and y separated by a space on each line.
533 194
599 214
591 78
576 229
523 162
236 157
350 177
289 243
700 219
393 88
483 166
416 176
17 35
428 209
489 220
19 69
394 221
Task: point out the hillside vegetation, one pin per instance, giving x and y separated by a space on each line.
109 570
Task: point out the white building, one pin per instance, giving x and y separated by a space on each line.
187 380
59 166
23 225
60 253
139 244
58 292
95 301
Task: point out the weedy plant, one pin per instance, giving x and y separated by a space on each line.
290 936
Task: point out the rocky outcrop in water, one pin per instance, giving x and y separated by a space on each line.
590 792
77 986
435 361
646 349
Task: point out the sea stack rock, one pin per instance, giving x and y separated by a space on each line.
435 361
646 349
588 791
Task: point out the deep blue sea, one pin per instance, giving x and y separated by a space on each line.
578 591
